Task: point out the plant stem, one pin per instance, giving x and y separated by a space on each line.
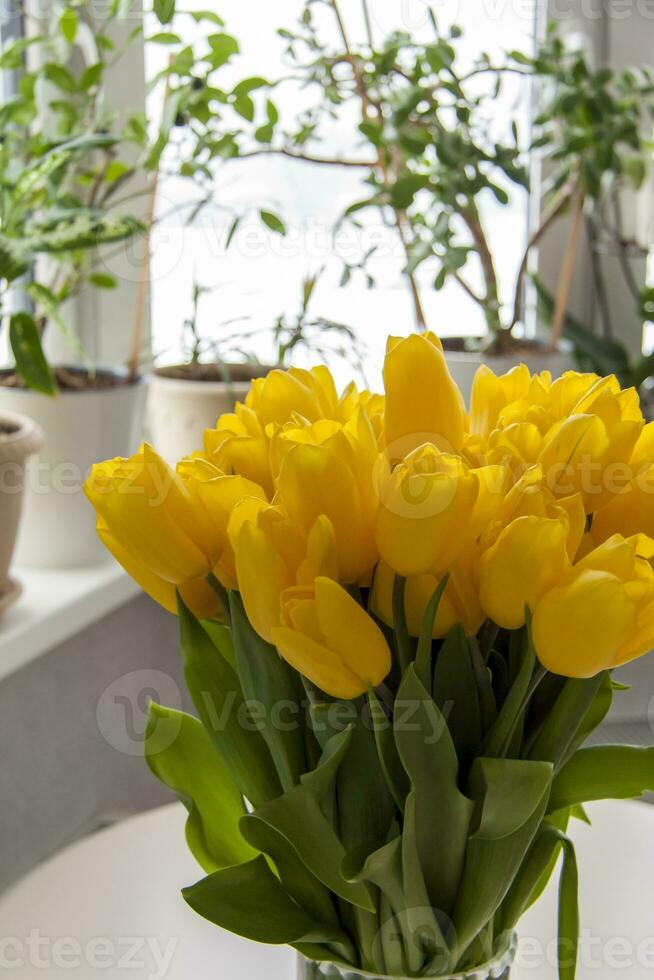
549 217
308 158
539 674
221 593
567 271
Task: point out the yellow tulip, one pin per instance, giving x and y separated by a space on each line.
604 615
150 513
425 513
530 497
334 479
589 450
331 640
312 395
631 509
459 602
273 553
493 395
239 445
197 594
214 497
528 558
423 403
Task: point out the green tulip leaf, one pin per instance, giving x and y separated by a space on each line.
217 696
221 637
511 795
422 923
250 901
321 781
561 727
456 694
568 912
394 772
303 887
298 818
535 871
594 717
180 753
442 812
604 772
269 681
510 710
365 804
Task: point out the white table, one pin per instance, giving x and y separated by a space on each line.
109 907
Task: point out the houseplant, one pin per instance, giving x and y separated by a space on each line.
431 159
78 175
220 361
398 623
19 438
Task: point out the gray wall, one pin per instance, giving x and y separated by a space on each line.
70 733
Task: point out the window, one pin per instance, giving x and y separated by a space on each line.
260 276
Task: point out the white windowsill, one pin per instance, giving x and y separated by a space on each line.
58 603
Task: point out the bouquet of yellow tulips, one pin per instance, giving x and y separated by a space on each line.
398 621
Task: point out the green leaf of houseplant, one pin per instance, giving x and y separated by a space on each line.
249 900
603 772
267 680
28 354
181 754
442 812
511 795
218 699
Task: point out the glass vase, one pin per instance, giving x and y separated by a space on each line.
498 968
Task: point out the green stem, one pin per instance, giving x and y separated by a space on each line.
402 638
221 593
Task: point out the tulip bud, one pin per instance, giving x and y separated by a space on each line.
423 403
426 506
528 558
330 639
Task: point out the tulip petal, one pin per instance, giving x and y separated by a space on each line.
350 632
262 577
317 663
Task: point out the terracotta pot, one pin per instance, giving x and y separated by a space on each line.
20 437
81 427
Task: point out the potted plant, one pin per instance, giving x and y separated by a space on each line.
431 163
185 399
419 625
77 176
19 439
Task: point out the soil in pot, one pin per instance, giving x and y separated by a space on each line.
74 379
235 373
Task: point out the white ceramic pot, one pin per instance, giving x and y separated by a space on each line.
81 428
179 411
463 365
20 437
